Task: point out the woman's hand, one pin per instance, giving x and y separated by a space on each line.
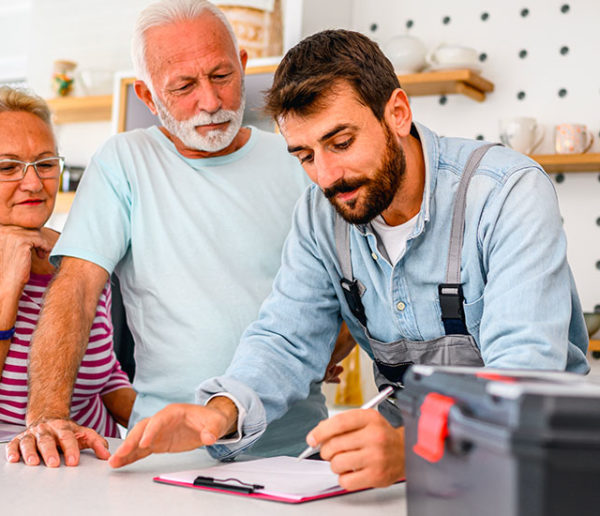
16 246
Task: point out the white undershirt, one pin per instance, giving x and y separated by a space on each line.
394 238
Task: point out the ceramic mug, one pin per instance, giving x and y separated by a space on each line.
452 55
572 139
521 133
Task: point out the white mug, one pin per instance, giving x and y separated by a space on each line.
572 139
521 133
450 55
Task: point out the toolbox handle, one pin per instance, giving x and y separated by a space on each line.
464 427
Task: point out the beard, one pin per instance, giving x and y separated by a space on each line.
378 191
213 141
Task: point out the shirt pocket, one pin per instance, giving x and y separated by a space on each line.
473 314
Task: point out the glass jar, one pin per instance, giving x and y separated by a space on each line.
62 77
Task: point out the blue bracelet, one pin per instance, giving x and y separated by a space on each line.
7 334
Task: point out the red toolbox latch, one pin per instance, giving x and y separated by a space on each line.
433 426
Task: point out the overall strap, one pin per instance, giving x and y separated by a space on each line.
349 285
450 293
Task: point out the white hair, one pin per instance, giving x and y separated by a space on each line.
165 12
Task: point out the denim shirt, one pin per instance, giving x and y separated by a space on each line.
521 305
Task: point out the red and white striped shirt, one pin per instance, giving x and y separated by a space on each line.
99 373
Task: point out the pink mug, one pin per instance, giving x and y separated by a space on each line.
572 139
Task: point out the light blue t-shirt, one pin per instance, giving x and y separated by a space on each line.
196 244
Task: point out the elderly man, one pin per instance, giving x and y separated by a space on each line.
191 216
423 266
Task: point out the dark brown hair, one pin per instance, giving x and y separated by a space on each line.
320 62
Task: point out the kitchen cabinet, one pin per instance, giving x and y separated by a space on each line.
589 162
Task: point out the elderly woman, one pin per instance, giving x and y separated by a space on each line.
29 175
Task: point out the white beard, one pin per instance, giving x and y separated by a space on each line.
213 141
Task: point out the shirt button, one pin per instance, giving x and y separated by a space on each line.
374 255
401 306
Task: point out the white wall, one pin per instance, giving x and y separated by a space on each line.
318 15
14 34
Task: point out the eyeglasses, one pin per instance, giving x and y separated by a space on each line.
46 168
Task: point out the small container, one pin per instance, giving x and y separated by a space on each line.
63 77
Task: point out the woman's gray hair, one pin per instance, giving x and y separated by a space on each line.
163 13
15 99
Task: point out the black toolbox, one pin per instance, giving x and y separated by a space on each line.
500 443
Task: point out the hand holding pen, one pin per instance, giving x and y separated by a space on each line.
372 403
361 446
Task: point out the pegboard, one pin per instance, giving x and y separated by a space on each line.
541 56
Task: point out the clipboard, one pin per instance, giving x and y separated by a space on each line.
279 479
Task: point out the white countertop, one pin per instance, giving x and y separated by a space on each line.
94 488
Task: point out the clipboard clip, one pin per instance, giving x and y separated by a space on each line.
223 483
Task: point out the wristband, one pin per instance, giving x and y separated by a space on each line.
7 334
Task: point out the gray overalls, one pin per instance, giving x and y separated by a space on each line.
457 347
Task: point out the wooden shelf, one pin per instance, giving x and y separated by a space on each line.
589 162
594 345
81 109
63 202
464 82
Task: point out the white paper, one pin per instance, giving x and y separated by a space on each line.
284 477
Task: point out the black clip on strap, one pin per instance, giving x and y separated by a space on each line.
451 303
352 295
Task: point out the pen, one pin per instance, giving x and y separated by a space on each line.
373 402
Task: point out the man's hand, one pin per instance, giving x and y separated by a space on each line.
176 428
362 447
47 438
